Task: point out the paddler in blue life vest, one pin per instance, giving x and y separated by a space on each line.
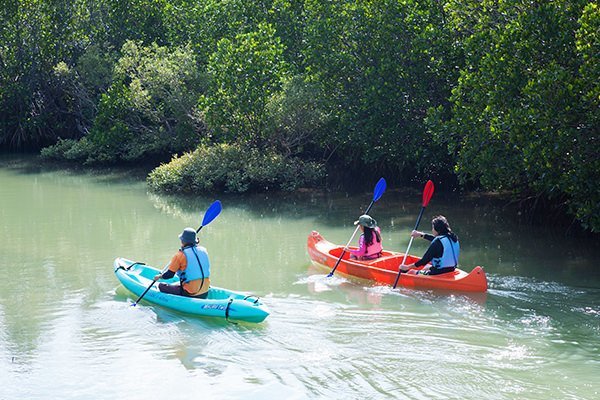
192 266
443 251
369 243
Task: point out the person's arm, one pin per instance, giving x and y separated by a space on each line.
426 236
435 250
173 268
362 249
168 275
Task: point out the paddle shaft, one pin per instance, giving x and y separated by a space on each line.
409 244
349 241
143 294
149 287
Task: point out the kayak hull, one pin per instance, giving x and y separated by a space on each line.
384 269
221 303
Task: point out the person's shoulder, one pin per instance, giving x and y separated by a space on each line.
178 260
436 243
179 255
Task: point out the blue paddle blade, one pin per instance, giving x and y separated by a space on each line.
212 212
379 189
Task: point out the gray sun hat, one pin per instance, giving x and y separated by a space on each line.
188 235
366 220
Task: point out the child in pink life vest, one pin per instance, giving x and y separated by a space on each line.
369 243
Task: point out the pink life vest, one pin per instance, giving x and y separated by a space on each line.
369 252
374 250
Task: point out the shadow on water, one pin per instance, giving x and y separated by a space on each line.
33 164
326 205
289 205
194 341
330 208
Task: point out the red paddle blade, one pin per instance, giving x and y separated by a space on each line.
427 193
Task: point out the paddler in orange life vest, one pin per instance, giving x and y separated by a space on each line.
191 265
443 251
369 243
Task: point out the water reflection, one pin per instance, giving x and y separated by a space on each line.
65 321
487 228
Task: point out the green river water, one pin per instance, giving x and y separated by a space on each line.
67 330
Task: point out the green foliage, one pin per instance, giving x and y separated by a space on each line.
518 120
297 115
382 65
72 150
150 107
581 181
204 23
117 21
245 73
34 38
505 95
95 69
236 169
42 96
58 150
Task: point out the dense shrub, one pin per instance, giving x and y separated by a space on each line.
81 151
231 168
149 109
525 114
298 115
245 73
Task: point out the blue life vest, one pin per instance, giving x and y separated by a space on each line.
198 265
450 255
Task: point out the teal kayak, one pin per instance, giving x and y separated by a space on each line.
220 303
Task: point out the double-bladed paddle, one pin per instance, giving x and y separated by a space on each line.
377 193
427 193
211 213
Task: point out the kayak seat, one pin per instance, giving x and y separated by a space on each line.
390 261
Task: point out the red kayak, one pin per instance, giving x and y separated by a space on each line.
384 269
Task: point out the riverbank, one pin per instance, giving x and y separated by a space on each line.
528 212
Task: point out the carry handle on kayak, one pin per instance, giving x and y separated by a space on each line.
250 296
427 193
377 193
211 213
